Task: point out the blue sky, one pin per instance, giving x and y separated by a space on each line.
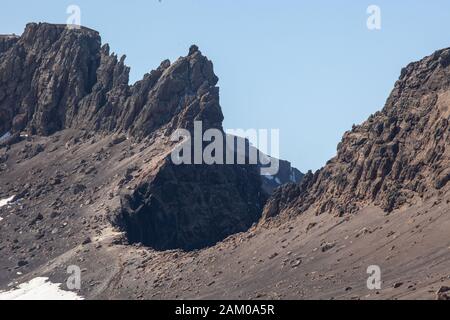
309 68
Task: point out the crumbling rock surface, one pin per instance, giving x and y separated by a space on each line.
397 155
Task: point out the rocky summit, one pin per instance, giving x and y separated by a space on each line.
88 181
55 78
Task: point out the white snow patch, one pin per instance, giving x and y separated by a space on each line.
4 202
39 289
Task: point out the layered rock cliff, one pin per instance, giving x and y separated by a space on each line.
398 156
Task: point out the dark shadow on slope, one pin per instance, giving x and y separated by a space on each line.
191 207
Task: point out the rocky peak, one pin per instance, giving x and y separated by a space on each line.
397 157
44 75
53 78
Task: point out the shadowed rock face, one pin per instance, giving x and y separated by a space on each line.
398 155
192 207
53 78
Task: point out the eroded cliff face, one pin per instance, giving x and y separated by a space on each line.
397 156
56 79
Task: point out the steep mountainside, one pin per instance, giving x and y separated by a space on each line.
87 180
399 155
62 83
66 99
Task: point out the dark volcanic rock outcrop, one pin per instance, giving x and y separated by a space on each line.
53 78
192 207
397 155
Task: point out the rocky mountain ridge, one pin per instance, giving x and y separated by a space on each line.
87 181
68 80
399 156
54 79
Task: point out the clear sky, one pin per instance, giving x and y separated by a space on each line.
309 68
